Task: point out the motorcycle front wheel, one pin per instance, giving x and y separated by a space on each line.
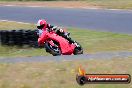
54 50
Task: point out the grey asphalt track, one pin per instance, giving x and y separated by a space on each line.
101 55
101 20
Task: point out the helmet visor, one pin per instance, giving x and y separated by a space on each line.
40 27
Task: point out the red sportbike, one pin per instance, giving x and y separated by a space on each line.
57 45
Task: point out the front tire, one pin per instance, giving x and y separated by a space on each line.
55 51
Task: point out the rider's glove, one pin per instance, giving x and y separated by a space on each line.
61 30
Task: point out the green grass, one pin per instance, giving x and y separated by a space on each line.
61 74
112 4
91 41
4 25
94 41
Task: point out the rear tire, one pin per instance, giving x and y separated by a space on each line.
78 50
55 51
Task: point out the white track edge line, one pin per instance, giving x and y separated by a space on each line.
14 21
73 8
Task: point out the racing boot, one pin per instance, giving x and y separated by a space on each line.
76 44
71 41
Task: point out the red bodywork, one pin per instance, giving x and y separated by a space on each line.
66 48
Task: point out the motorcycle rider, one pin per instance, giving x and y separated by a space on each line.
42 25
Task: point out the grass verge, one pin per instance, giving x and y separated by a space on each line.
61 74
110 4
91 41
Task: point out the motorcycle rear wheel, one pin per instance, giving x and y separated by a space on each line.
78 50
